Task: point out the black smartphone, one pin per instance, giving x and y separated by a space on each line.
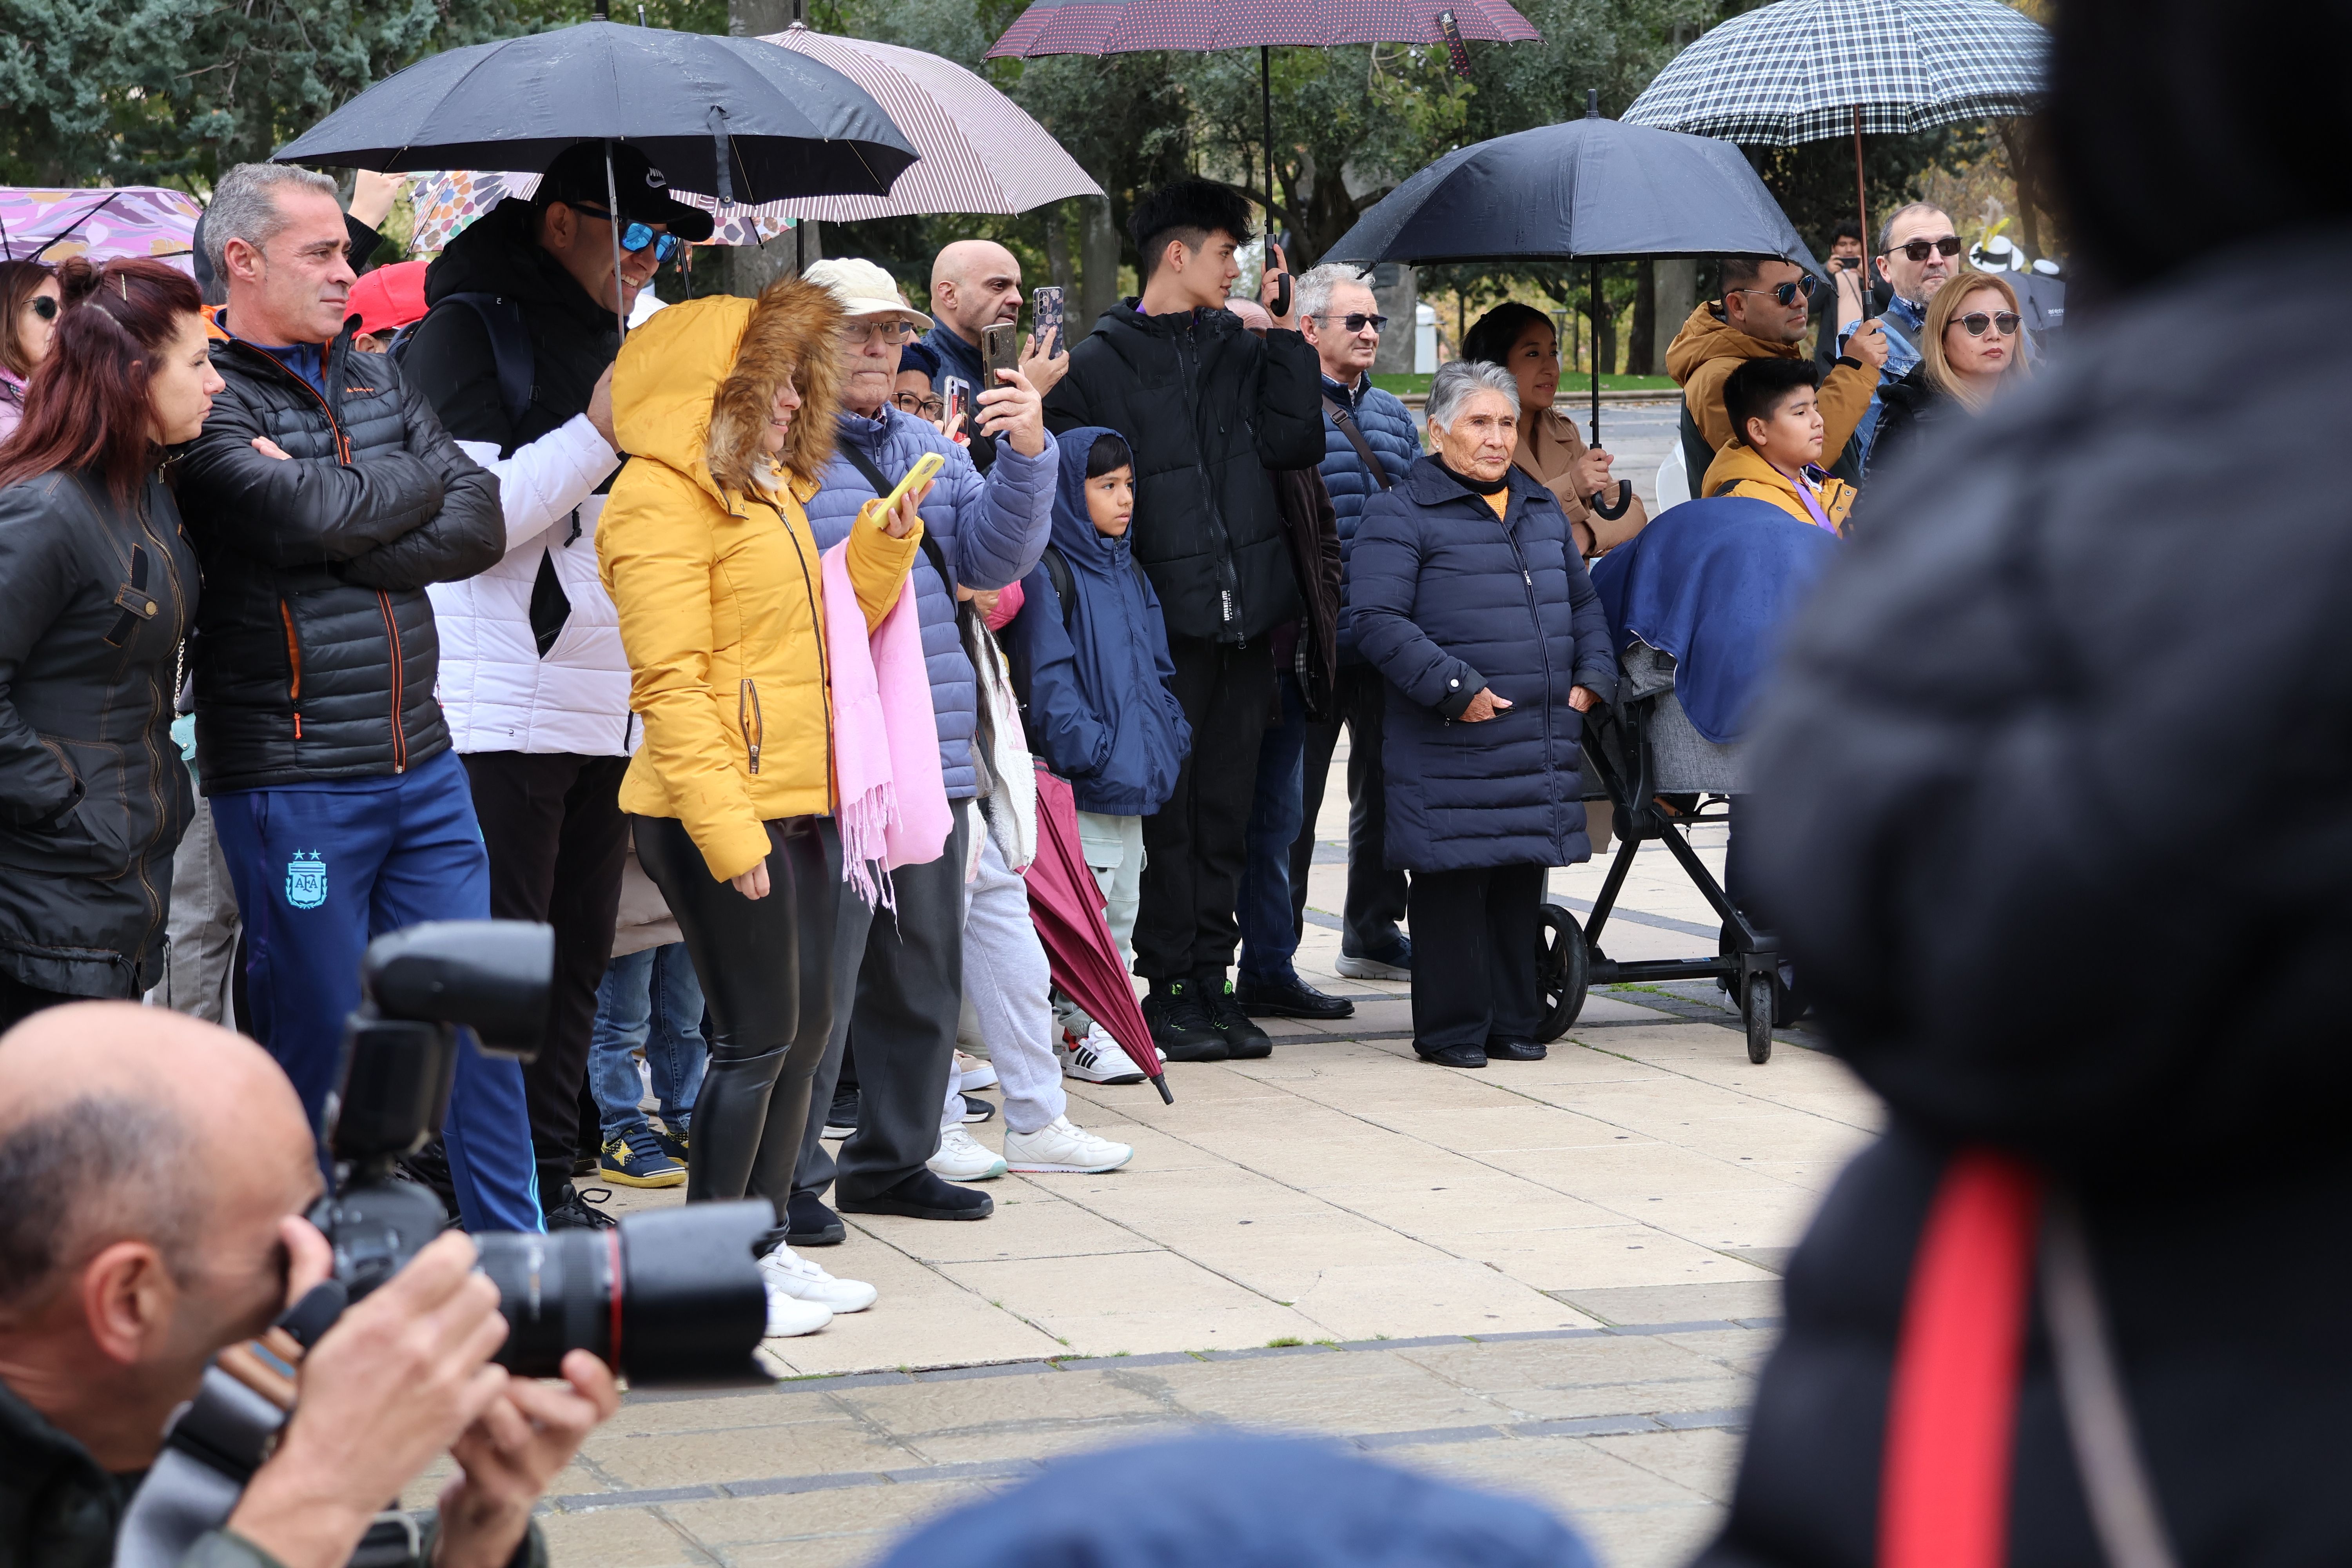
1045 319
1000 349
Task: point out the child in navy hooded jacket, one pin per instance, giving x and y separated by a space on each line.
1097 705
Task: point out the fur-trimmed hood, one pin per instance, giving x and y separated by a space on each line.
693 386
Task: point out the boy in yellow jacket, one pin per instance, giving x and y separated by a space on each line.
1775 451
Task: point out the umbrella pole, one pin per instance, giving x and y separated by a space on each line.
1266 102
1596 354
1860 202
613 208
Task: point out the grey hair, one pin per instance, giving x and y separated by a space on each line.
92 1172
245 206
1314 285
1456 379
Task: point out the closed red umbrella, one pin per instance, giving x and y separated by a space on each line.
1066 905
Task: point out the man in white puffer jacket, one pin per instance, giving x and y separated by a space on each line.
516 357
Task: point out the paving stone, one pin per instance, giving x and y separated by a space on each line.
1679 1303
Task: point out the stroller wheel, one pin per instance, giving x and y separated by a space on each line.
1756 1012
1563 969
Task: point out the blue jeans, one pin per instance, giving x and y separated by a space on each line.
321 869
1262 906
648 998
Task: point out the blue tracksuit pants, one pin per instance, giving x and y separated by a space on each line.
320 869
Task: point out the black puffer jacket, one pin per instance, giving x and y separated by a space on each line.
1207 408
94 599
572 339
1910 412
315 653
2053 809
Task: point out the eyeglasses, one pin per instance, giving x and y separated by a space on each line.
1918 249
1356 321
1785 294
637 236
891 332
1976 322
929 407
44 306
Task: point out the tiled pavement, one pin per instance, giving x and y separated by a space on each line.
1554 1277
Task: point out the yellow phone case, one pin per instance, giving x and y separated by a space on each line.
927 468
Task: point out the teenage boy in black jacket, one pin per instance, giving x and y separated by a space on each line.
1207 408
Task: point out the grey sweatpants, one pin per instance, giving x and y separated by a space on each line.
1006 981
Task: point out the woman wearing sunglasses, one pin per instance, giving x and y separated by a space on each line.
1972 345
30 298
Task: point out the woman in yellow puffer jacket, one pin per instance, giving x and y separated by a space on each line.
726 407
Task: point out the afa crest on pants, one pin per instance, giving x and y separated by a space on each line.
306 879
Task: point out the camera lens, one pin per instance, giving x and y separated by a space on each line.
672 1297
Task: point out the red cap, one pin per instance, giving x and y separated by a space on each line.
389 298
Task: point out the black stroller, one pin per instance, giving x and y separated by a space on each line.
1662 777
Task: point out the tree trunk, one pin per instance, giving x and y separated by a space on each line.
1604 339
1098 265
1678 296
745 269
1396 292
756 18
2016 141
1059 265
1640 341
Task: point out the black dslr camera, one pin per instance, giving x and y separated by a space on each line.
672 1298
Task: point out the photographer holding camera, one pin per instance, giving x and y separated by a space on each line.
119 1280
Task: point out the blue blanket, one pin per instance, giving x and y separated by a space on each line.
1713 583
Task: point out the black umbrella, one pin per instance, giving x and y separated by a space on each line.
1587 190
736 119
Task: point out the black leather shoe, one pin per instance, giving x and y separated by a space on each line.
1455 1055
1502 1049
808 1223
1181 1023
1289 997
922 1196
1245 1041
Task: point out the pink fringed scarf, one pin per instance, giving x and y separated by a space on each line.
885 744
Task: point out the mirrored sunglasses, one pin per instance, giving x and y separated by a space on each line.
1789 293
636 236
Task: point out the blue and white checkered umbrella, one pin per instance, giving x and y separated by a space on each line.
1804 70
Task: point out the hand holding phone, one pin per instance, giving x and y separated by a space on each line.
1000 349
886 513
1045 319
955 419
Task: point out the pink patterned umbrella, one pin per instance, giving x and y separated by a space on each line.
981 150
448 200
101 225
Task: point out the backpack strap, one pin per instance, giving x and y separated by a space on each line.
510 350
1057 572
1345 419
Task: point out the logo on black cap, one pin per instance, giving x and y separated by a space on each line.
655 179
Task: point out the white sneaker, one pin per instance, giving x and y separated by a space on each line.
1098 1058
974 1072
793 1277
964 1158
1059 1146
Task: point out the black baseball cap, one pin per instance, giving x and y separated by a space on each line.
578 175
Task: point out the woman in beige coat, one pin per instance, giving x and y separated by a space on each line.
1521 339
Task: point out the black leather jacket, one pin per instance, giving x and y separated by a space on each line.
315 653
94 598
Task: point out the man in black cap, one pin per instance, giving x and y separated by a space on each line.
516 356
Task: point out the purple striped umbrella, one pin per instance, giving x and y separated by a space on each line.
981 150
1125 26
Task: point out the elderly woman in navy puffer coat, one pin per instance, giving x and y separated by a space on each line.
1470 598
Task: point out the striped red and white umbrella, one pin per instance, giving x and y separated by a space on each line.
981 150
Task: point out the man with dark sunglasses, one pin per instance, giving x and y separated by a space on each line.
516 356
1763 313
1918 253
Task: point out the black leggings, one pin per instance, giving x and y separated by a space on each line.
765 967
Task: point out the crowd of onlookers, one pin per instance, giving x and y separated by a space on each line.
503 615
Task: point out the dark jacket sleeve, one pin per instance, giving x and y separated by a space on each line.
1383 573
1062 723
1163 664
1289 404
1072 402
467 536
300 511
1596 660
37 580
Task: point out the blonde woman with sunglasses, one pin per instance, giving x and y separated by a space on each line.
1972 345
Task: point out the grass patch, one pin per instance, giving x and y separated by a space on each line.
1572 384
1285 1343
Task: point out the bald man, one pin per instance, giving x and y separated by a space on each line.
128 1258
976 284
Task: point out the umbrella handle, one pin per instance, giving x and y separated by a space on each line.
612 222
1612 513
